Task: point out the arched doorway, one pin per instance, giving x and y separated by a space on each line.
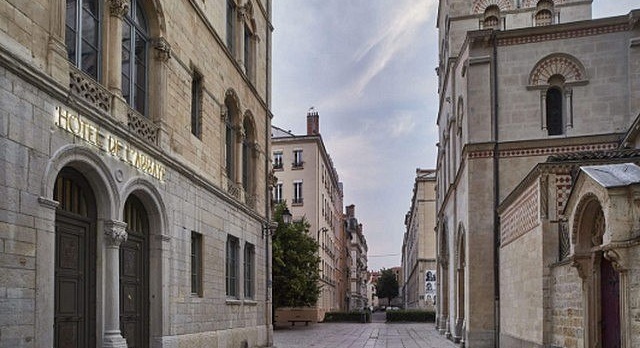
75 261
601 280
134 275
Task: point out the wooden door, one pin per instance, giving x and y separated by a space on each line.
134 279
610 305
75 263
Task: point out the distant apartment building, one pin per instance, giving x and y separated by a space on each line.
307 181
419 244
357 245
372 296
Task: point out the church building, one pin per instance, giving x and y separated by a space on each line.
537 217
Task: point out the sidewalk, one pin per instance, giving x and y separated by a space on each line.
373 335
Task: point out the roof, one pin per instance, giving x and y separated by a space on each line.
614 175
277 132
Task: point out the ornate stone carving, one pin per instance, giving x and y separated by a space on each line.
89 90
561 64
479 6
143 127
234 190
115 233
118 8
163 49
582 264
615 259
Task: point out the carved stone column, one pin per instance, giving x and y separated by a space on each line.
117 10
115 234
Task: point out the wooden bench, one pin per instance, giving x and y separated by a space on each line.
294 321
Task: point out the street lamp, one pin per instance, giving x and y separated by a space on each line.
286 216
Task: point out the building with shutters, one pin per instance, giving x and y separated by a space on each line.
135 140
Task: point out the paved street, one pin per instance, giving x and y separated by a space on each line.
373 335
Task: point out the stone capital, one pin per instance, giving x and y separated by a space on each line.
583 264
163 49
118 8
115 232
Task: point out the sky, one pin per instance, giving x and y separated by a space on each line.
368 68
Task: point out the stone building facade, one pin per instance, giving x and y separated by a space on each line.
419 244
357 250
135 137
308 182
520 81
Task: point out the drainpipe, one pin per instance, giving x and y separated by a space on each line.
268 313
496 191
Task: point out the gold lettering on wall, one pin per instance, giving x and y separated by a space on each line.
71 122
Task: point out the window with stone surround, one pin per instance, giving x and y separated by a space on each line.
196 263
135 41
249 270
196 104
248 155
231 26
297 192
232 266
277 160
231 125
83 27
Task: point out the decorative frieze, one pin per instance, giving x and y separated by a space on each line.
561 35
479 6
521 218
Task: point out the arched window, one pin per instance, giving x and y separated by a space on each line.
230 136
82 35
492 17
135 41
248 139
544 13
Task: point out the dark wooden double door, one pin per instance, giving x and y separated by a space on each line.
75 267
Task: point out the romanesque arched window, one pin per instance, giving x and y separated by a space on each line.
230 122
82 35
555 76
491 18
544 13
135 41
248 156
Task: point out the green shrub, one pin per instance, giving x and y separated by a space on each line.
348 317
411 315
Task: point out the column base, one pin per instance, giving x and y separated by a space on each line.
113 339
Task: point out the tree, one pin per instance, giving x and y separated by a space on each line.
296 272
387 285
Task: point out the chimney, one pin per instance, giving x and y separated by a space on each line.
351 210
313 122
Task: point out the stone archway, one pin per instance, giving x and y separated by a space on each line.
600 279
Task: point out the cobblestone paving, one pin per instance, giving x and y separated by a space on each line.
373 335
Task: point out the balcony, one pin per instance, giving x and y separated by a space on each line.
297 201
278 166
297 165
